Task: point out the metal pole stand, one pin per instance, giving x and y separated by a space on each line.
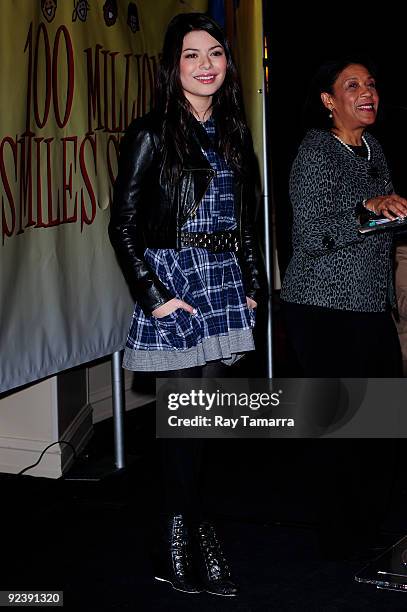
86 468
118 409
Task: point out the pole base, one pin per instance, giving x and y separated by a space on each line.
93 469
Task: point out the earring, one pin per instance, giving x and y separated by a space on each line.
330 114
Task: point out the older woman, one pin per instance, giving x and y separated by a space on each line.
338 290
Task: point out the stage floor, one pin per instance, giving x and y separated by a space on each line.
90 538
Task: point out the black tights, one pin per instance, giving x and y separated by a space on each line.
181 461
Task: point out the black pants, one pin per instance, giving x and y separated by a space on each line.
332 343
181 461
354 476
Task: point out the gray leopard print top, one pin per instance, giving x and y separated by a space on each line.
333 265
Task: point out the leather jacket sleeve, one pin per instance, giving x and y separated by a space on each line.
138 154
250 261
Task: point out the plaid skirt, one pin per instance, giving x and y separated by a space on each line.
220 329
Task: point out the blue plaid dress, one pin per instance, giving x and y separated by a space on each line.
211 283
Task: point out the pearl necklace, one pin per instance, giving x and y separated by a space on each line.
350 149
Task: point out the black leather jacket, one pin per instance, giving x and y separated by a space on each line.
148 212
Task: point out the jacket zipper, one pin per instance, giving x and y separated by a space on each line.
211 173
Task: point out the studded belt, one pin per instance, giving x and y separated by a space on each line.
216 242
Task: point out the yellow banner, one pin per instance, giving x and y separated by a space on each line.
73 75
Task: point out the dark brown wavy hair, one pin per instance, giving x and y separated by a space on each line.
175 110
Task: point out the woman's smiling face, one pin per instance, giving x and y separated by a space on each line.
354 101
202 66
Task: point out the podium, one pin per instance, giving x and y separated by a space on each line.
389 570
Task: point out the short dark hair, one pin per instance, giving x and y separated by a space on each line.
315 114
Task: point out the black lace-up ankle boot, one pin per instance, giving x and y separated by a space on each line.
173 555
215 570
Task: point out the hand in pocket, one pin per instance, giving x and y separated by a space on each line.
251 304
171 306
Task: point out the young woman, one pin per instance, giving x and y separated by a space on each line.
181 224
